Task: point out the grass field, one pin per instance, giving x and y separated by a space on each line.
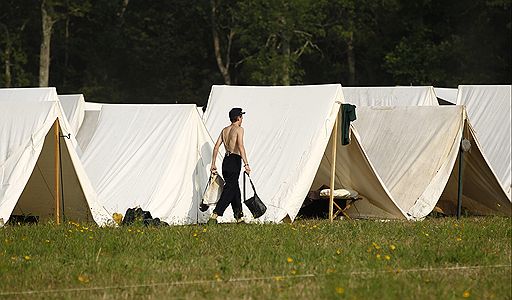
310 259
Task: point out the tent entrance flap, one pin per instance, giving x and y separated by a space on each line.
50 193
354 172
482 193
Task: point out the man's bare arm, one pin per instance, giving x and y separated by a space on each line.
213 168
241 146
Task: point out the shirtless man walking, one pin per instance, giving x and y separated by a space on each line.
233 139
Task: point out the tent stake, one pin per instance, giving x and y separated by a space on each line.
333 169
57 171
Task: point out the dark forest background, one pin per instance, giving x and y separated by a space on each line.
172 51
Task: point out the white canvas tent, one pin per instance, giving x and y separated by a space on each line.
287 130
40 173
489 110
415 149
287 134
390 96
74 106
153 156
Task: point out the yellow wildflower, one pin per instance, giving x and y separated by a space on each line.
392 247
293 271
289 259
195 234
278 278
340 290
458 239
26 257
377 256
338 251
466 294
118 218
387 257
83 278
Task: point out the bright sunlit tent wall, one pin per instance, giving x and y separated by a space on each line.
156 157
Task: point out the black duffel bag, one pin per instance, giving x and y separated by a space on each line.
138 215
255 205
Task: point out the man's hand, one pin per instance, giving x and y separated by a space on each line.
213 169
247 169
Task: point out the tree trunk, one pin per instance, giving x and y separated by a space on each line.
223 66
123 8
44 56
351 60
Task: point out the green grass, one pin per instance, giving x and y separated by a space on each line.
309 259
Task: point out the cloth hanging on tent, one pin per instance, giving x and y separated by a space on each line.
348 112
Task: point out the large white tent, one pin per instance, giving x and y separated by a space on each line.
390 96
489 111
39 168
385 97
153 156
287 131
399 166
415 149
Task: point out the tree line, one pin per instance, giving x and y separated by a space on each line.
160 51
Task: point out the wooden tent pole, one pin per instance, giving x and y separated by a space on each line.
333 169
57 171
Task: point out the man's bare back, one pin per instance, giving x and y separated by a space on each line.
230 139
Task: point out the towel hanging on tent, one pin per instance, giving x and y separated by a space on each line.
348 114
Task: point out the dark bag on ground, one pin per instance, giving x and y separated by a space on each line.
134 215
255 205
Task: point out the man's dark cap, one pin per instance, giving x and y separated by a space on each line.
235 112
